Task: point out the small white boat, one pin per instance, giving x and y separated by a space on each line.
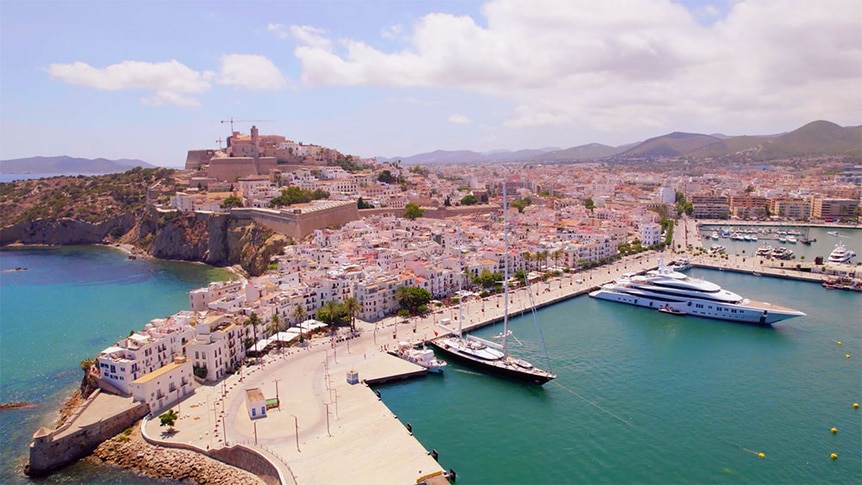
422 357
832 233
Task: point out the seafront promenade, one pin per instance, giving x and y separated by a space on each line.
326 430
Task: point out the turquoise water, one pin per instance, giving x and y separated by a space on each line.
643 397
68 305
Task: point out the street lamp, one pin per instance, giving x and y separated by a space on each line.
296 424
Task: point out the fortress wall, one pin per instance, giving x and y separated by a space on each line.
48 454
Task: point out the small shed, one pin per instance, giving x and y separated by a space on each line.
255 402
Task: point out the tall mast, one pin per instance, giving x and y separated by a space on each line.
505 273
460 281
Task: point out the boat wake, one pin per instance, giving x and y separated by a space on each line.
465 371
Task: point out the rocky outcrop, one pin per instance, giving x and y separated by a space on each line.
66 231
128 450
215 239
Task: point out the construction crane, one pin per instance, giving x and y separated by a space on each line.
232 121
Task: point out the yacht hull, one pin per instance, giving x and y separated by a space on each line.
506 368
758 313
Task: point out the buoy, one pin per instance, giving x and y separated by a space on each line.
846 356
834 430
761 455
855 405
834 456
838 342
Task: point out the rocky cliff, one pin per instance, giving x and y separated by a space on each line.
215 239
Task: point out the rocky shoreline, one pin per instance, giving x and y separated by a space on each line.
128 450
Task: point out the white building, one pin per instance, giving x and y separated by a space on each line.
201 297
164 386
144 351
218 346
649 233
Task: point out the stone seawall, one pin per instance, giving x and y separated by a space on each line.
54 449
237 456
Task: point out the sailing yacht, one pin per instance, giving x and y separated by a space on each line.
485 355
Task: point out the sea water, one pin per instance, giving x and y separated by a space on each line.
640 397
68 305
646 397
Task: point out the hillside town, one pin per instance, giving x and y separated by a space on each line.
384 227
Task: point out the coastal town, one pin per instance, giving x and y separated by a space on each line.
366 236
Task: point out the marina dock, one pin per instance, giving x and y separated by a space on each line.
326 429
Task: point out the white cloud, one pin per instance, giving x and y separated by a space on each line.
458 119
310 36
250 71
392 31
171 81
281 31
621 65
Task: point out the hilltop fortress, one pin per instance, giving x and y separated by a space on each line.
256 154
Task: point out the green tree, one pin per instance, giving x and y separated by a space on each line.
168 419
487 279
412 211
469 199
589 204
299 313
352 305
361 204
412 298
253 321
386 177
232 201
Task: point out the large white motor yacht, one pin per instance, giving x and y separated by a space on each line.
841 254
671 290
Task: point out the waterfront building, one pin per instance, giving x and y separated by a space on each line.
218 346
200 298
649 234
144 351
164 386
796 209
706 206
747 206
828 207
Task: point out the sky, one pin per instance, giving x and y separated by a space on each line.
153 79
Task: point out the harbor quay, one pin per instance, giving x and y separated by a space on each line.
324 429
320 428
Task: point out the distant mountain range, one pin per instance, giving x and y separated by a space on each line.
64 165
815 138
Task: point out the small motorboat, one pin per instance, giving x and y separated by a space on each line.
671 311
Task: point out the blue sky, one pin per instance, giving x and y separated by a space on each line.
152 79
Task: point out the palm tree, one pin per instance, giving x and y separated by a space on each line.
353 306
299 314
254 321
275 325
331 308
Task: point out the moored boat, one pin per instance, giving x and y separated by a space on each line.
422 356
841 254
664 287
488 356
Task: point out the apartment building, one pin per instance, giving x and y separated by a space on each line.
200 298
145 351
165 386
218 347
